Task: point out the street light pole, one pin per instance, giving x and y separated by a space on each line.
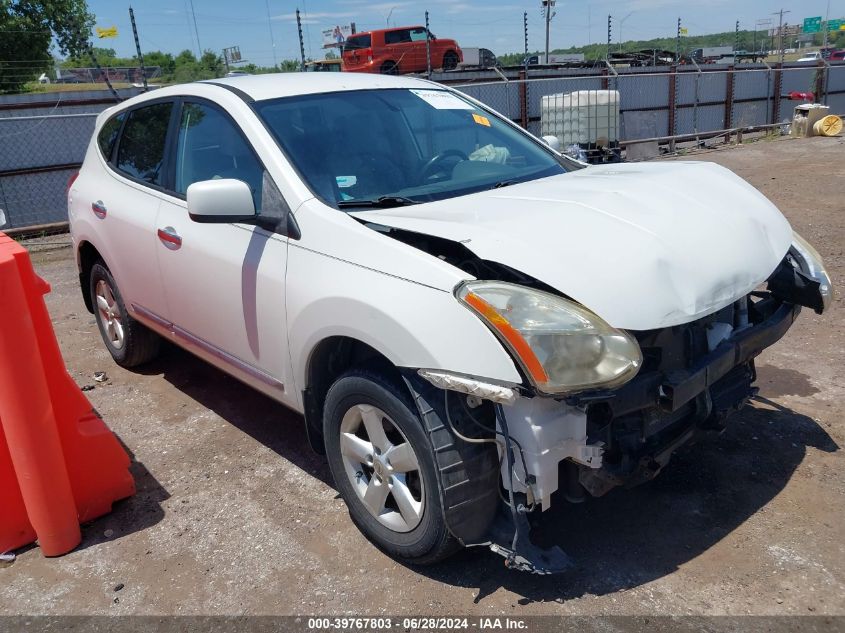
621 22
548 5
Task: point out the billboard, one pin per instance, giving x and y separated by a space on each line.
336 36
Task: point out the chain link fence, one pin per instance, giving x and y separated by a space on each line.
662 104
43 137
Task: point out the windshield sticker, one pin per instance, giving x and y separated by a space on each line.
481 120
442 100
346 181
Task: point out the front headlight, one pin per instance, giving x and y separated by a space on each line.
562 346
812 265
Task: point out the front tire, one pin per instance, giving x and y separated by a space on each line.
384 468
129 342
450 60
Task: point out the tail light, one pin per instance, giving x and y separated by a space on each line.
71 180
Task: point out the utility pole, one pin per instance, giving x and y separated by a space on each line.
780 32
427 48
826 41
678 42
609 29
548 6
301 41
138 49
525 34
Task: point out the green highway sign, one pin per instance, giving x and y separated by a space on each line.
835 25
813 25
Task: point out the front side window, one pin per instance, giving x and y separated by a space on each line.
108 135
419 145
140 153
210 146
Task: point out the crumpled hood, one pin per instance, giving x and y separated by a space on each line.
642 245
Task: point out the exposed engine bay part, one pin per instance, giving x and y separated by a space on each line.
546 432
459 256
475 512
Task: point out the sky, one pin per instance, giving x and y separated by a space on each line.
265 30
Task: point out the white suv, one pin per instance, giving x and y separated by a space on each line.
468 321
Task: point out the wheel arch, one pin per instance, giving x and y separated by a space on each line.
330 358
86 256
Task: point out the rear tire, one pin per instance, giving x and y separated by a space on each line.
395 501
389 68
450 60
129 342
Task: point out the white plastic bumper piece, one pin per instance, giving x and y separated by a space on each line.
470 386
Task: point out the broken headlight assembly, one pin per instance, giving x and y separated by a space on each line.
812 265
562 347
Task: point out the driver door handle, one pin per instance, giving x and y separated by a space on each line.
170 237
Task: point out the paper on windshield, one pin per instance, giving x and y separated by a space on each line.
442 100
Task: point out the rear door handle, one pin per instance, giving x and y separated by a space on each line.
170 237
99 209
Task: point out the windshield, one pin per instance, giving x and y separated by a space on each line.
401 146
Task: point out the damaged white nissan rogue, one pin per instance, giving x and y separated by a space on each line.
469 321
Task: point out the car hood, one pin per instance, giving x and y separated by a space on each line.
644 246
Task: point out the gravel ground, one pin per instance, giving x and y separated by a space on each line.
235 515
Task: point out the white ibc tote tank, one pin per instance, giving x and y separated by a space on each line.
582 117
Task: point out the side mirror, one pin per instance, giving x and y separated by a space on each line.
553 142
222 200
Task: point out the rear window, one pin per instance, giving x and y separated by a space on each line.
357 42
108 135
140 153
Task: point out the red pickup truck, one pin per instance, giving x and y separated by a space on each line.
398 50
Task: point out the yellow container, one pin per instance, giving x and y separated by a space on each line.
831 125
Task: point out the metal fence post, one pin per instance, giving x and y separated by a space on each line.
523 99
821 71
673 105
778 86
729 102
697 97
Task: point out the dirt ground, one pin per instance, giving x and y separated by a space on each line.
235 515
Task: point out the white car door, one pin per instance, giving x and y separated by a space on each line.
224 282
126 204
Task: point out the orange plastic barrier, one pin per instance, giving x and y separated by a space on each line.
60 465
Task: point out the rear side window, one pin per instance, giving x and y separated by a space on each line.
140 153
397 37
108 135
357 42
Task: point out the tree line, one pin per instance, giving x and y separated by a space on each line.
746 40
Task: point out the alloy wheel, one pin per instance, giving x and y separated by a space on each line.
382 467
110 314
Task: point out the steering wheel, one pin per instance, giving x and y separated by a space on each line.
433 165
